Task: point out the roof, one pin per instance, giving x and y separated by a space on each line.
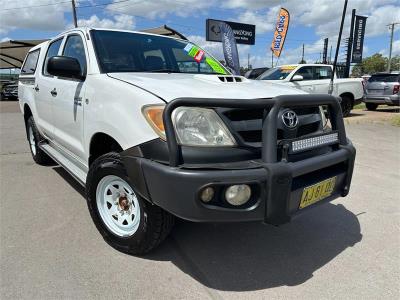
13 52
312 65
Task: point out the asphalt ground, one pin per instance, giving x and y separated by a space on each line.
347 249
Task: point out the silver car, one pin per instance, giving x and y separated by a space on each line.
382 88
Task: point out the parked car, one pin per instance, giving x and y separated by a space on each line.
9 91
150 141
254 73
315 78
382 88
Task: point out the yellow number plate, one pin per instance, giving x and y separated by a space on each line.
317 192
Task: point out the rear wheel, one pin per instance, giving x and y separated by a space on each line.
34 137
126 221
371 106
347 105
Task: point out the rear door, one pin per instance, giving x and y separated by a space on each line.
382 84
68 107
321 75
44 96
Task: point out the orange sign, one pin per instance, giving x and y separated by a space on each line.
282 26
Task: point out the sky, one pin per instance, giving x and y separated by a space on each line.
311 21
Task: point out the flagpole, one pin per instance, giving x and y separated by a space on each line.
330 91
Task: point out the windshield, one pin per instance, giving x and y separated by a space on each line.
133 52
278 73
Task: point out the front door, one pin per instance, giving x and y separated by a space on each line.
68 106
307 83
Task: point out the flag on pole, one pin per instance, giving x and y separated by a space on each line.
282 26
230 49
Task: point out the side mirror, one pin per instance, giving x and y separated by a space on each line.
64 66
297 78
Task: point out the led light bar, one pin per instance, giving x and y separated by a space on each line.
314 142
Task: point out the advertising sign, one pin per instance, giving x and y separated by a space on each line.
244 33
282 26
358 39
230 48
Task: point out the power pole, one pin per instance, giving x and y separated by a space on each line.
248 60
350 45
74 13
302 55
391 26
272 59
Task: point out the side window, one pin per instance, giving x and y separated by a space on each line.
322 73
31 62
51 51
74 48
306 72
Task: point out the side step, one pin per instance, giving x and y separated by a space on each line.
64 162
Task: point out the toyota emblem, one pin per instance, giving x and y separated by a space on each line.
290 119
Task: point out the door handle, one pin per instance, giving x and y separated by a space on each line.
54 92
78 101
37 88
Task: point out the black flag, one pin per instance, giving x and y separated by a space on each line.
230 49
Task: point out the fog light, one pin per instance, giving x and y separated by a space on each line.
238 194
207 194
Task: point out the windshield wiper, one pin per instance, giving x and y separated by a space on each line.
164 71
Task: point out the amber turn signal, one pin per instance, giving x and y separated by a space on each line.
154 116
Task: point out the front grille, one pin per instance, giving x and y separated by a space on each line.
246 124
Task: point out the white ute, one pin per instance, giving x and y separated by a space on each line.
314 79
154 127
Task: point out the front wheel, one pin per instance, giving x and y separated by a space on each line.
126 221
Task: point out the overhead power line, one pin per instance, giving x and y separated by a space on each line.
33 6
62 2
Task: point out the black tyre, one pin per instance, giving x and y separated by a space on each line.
371 106
126 221
34 137
347 105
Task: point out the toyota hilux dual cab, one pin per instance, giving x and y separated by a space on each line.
315 79
156 128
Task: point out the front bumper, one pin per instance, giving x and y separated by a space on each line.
277 185
388 99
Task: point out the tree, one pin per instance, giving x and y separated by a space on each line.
302 61
371 65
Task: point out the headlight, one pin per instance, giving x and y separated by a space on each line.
196 126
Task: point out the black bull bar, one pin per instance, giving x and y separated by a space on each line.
280 173
269 128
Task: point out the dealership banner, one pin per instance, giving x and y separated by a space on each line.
230 49
244 33
358 39
281 29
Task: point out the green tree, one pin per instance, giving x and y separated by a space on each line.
395 64
370 65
